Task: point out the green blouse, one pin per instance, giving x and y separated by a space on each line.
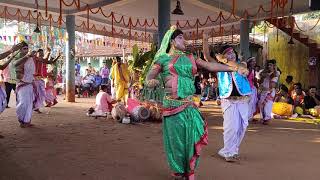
183 68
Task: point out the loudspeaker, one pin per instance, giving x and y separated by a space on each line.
314 4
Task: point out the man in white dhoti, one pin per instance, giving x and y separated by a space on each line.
3 65
268 79
234 91
25 69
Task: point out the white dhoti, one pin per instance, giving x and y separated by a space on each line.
265 105
113 92
25 102
235 115
3 100
253 102
41 93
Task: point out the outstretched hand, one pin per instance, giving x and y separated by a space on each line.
221 58
242 70
31 53
16 47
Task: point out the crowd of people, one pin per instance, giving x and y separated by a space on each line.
270 97
26 72
240 87
293 101
109 85
274 99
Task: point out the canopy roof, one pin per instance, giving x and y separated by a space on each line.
138 19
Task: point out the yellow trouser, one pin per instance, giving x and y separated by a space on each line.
121 91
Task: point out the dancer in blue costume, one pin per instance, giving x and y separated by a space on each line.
234 89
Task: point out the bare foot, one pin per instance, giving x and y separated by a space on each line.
38 111
26 125
265 122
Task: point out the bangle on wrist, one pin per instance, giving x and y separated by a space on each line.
235 68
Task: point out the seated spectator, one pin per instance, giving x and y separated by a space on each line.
205 90
282 108
289 83
299 86
197 84
283 95
91 69
98 81
88 82
103 101
311 100
298 95
213 88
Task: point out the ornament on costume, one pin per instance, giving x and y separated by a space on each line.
312 61
119 112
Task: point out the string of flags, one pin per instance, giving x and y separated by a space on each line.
43 38
29 38
100 42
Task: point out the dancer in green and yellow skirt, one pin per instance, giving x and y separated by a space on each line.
184 129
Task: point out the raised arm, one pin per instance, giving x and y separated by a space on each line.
45 58
206 53
7 62
214 66
52 61
24 58
224 60
220 58
6 54
12 50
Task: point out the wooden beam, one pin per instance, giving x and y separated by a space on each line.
102 3
213 5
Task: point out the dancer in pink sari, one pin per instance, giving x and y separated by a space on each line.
51 95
